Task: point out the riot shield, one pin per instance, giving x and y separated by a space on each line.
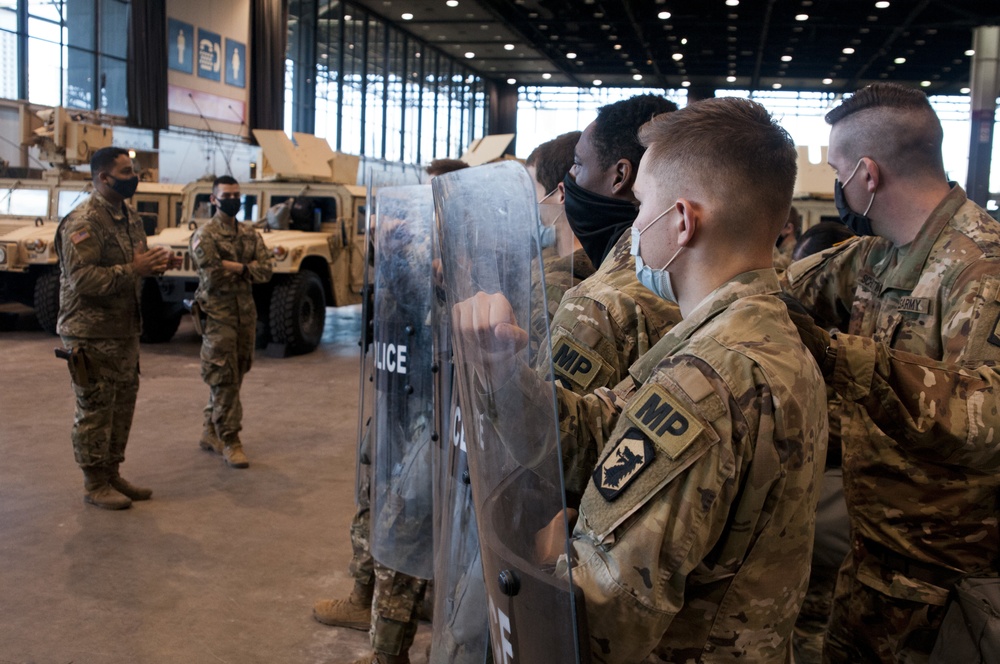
460 626
489 227
403 416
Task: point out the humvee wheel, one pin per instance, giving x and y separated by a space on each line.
298 312
46 300
160 319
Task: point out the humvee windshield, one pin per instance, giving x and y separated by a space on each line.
70 199
25 202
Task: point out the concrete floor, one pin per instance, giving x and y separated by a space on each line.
221 565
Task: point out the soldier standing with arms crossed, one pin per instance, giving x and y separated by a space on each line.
103 259
231 258
915 370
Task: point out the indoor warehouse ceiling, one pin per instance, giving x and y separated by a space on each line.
816 45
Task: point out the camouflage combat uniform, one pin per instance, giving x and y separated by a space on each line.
695 531
561 274
920 446
606 323
99 314
226 299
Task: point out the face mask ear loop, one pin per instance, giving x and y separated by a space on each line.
546 196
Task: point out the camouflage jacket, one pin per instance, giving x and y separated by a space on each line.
783 253
695 532
99 291
916 370
561 274
607 322
223 295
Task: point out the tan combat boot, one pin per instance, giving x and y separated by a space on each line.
123 486
355 612
100 492
210 440
235 458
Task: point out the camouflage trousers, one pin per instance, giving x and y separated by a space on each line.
105 405
868 626
226 356
397 595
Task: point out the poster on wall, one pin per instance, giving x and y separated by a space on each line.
180 46
209 55
236 59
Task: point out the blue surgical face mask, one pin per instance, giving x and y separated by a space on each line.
860 224
657 280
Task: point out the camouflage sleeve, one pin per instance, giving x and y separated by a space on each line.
825 282
80 245
207 260
947 408
589 350
261 267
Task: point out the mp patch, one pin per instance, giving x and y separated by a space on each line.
632 455
659 415
573 362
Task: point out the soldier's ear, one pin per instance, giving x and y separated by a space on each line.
624 178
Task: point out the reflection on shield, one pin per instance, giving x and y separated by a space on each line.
489 226
403 416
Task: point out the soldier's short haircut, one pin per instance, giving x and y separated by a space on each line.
104 160
616 129
734 151
442 166
223 179
553 159
892 124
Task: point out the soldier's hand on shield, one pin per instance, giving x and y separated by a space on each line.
152 261
486 327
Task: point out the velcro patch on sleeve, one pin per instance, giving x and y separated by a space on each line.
660 415
915 305
573 362
80 236
627 459
994 337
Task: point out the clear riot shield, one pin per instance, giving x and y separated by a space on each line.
556 231
403 416
489 227
461 631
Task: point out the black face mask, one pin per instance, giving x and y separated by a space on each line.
125 188
597 221
858 223
229 206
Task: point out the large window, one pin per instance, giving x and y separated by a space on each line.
65 53
373 90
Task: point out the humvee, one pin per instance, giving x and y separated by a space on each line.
318 262
30 211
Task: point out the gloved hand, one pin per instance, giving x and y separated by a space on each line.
815 338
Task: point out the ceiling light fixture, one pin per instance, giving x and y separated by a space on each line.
802 17
508 47
677 56
597 82
452 3
827 81
965 91
663 16
511 81
571 56
786 58
546 76
636 77
470 55
882 4
618 47
899 61
730 79
925 84
684 41
407 16
776 86
732 3
685 84
347 17
848 51
970 53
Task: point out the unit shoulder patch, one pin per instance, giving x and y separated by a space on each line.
575 363
660 415
629 457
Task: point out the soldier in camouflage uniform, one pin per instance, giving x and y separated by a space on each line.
102 260
702 465
915 372
787 240
609 320
231 258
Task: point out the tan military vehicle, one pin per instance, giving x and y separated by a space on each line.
314 228
30 211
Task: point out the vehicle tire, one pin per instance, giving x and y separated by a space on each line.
46 300
160 319
298 312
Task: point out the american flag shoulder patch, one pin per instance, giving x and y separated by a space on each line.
79 236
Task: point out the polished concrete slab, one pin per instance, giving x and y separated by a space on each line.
222 565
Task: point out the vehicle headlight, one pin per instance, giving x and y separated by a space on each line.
3 254
37 246
280 253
